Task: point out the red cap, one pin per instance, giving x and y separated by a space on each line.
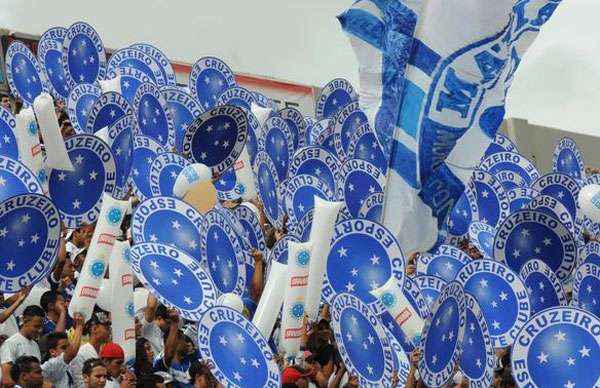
290 375
112 350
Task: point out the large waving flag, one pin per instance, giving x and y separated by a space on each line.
436 74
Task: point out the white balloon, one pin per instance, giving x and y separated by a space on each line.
104 295
140 299
189 176
589 202
231 300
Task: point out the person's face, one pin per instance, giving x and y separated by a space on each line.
59 301
60 348
83 236
201 382
149 351
67 129
114 367
33 328
101 332
138 328
34 378
182 348
97 377
162 323
6 102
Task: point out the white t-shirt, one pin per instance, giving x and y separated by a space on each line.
112 384
16 346
9 327
154 335
55 370
86 352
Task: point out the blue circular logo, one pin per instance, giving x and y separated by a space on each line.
114 216
303 258
130 309
32 127
97 269
240 188
297 310
388 299
41 175
127 255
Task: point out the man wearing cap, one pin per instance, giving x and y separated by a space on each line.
113 357
99 334
22 343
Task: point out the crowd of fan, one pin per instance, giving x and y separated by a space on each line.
45 347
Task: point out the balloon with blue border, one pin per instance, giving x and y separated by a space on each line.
24 73
209 78
361 340
544 288
223 254
161 59
164 170
296 124
83 55
335 95
139 60
130 80
236 96
49 53
320 163
487 198
567 159
169 221
586 288
267 185
301 191
177 280
79 105
591 253
431 287
8 140
558 347
145 150
184 109
372 207
511 169
501 295
363 256
249 219
562 187
362 179
482 237
519 198
501 143
278 143
120 140
107 110
478 358
443 336
365 145
529 234
445 262
217 137
346 123
16 178
29 240
240 355
153 116
78 193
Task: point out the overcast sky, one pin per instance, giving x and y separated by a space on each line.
558 83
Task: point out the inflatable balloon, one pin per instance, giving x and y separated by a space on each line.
589 202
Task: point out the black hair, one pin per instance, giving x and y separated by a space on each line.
90 364
149 381
161 312
33 311
197 369
48 298
143 365
325 355
53 338
22 365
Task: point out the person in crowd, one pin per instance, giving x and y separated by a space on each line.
113 357
61 352
155 323
178 354
257 284
99 334
151 381
27 373
94 373
201 376
5 102
144 357
22 343
54 305
8 320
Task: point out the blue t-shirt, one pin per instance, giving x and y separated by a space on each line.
178 370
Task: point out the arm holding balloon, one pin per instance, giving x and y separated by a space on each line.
257 285
19 298
171 342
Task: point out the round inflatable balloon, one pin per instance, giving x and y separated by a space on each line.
346 122
511 169
589 202
445 262
153 116
24 73
335 95
29 240
586 288
482 237
184 109
107 110
83 55
174 278
79 104
240 355
320 163
145 150
164 170
296 124
208 79
520 197
161 59
568 159
544 288
49 53
362 179
16 178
